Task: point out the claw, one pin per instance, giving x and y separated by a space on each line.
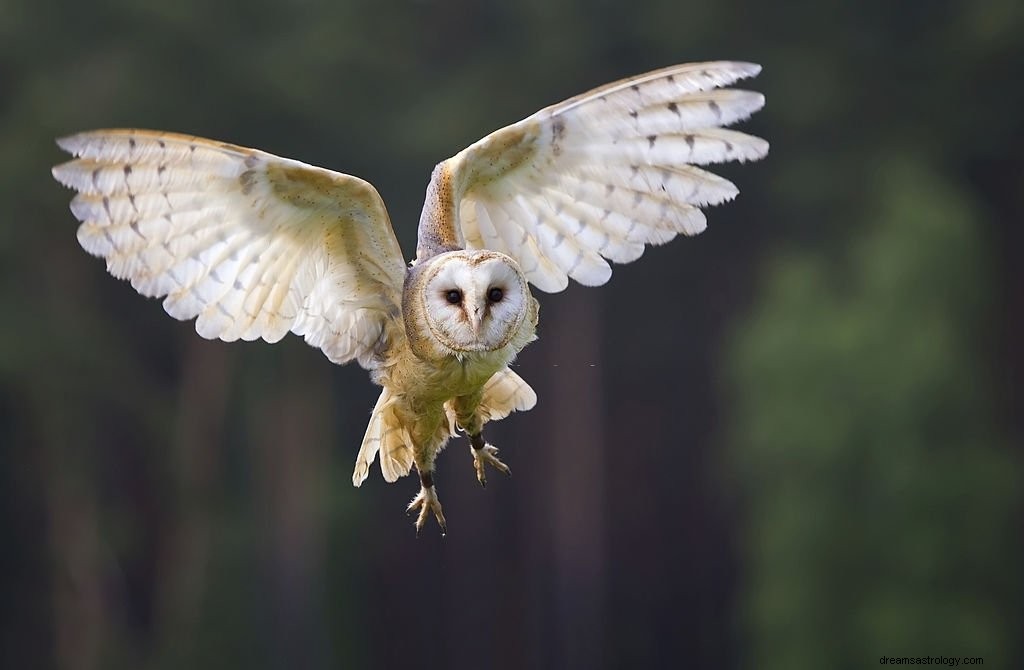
426 501
484 455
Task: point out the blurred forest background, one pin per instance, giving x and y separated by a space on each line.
792 442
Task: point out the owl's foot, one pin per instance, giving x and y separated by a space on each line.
426 501
482 455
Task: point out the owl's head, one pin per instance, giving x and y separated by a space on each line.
474 300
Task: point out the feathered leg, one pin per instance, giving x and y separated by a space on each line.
426 501
504 393
471 413
483 454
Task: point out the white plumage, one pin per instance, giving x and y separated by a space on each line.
253 246
250 245
600 175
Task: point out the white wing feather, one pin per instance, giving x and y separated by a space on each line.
250 245
603 174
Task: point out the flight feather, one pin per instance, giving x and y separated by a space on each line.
599 176
250 245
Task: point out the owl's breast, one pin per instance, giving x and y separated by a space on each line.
438 380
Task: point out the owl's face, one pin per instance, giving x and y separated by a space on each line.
475 300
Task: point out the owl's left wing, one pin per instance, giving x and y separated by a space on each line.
603 174
249 244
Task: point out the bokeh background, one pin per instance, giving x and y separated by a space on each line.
792 442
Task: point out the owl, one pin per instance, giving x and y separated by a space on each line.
253 246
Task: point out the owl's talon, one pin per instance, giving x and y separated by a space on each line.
484 455
426 501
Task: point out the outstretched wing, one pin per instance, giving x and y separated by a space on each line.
250 245
603 174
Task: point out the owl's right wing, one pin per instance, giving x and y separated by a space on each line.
603 174
249 244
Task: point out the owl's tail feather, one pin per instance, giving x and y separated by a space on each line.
384 434
504 393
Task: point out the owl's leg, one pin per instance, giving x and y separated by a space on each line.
467 417
483 454
426 501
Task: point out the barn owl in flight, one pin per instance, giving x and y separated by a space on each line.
253 246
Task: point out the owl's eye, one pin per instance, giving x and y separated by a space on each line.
453 296
495 294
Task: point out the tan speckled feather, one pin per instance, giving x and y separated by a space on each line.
250 245
604 173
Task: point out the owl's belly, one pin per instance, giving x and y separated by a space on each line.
423 387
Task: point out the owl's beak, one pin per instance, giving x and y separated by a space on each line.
475 316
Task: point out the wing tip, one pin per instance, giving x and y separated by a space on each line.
76 144
758 149
63 174
758 101
745 69
69 143
595 274
529 400
735 69
753 68
548 282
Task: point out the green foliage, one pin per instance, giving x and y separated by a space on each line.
881 496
